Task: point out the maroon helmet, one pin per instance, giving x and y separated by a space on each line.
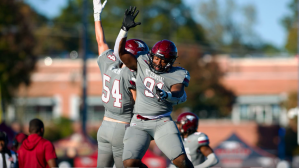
135 45
166 50
188 121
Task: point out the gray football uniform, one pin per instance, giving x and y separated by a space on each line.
192 147
146 103
163 130
117 82
119 103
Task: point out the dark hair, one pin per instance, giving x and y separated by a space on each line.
3 136
35 125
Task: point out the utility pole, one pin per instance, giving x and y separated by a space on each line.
84 58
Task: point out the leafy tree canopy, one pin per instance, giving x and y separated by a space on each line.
289 22
17 43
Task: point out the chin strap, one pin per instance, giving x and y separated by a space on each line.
176 100
211 161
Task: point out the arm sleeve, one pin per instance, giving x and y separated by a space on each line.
210 161
116 45
50 151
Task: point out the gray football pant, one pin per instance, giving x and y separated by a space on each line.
110 144
163 131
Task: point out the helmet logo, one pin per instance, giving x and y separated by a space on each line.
159 54
190 117
140 45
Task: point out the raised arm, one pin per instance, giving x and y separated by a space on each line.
126 57
98 7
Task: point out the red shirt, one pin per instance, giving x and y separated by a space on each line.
35 151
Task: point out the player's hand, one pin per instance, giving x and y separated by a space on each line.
129 18
98 6
161 94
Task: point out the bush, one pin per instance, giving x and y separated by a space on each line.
59 129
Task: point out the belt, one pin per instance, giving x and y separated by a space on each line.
143 118
138 116
114 120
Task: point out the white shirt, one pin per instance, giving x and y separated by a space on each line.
9 160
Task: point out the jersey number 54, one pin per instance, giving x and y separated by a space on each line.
114 91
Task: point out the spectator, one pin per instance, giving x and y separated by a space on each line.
36 151
8 158
17 142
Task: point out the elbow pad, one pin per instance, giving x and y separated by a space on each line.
176 100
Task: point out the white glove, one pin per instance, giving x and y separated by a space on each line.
98 8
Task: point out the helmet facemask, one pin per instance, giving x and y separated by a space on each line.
162 69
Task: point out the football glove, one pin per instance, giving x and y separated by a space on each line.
98 8
129 17
161 94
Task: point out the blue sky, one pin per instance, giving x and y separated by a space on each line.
269 14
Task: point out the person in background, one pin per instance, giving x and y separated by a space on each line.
18 140
8 158
36 151
196 143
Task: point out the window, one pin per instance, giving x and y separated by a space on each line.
38 111
95 113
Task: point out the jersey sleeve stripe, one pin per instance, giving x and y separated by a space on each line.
204 141
203 138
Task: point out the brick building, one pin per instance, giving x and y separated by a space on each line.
261 84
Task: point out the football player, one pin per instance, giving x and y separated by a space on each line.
118 95
196 143
159 86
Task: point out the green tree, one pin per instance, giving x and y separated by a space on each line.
206 95
291 101
17 42
228 33
292 148
59 129
160 19
289 22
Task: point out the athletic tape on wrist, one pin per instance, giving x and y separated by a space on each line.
97 16
176 100
169 95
